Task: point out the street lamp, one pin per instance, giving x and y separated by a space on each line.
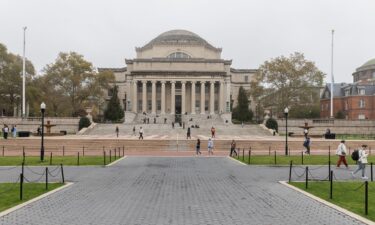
286 111
42 109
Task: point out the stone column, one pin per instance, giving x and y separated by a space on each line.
162 97
144 96
193 97
135 93
212 97
202 97
227 97
183 97
221 98
153 99
173 97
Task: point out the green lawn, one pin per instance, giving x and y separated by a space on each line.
345 195
11 197
297 160
56 160
355 136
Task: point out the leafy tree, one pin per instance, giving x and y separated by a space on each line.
291 82
11 79
242 112
75 80
308 111
271 123
114 111
340 115
84 122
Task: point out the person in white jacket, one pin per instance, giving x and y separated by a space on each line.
341 152
362 161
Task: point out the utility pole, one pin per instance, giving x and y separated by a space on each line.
24 75
332 79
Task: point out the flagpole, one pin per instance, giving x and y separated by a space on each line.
332 79
24 74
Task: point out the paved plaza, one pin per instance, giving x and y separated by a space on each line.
176 190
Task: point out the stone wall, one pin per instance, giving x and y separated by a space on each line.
336 126
31 124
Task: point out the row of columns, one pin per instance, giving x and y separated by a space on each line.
183 96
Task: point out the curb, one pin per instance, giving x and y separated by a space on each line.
329 204
116 161
242 163
6 212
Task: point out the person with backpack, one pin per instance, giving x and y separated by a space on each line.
361 157
341 152
306 144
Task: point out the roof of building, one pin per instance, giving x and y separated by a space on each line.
339 89
118 70
178 37
371 62
366 66
234 70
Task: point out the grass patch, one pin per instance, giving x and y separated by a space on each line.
355 136
56 160
345 195
30 190
297 160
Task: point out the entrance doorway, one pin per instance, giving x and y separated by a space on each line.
178 101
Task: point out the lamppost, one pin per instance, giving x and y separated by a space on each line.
42 109
286 111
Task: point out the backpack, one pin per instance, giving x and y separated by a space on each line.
305 143
355 155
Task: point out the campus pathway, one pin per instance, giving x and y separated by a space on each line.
176 190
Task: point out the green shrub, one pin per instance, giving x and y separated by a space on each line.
84 122
271 123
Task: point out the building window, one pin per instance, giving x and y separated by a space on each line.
139 105
206 89
197 105
246 79
346 105
361 117
198 89
327 94
216 107
149 104
347 92
206 105
178 55
149 88
361 91
373 75
361 103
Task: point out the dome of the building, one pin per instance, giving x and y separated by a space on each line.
178 37
369 63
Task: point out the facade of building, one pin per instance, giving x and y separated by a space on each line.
178 72
353 101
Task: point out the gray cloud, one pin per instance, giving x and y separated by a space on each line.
249 32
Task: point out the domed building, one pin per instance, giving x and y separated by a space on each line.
352 101
179 74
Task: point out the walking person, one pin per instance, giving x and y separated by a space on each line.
188 135
134 130
233 148
14 131
362 161
198 147
117 131
213 132
6 130
341 152
140 133
210 146
306 144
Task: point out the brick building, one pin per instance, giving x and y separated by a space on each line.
353 101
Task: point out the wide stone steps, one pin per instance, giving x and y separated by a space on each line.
96 146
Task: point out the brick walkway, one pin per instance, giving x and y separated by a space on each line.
176 190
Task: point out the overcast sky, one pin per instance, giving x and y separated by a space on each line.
249 31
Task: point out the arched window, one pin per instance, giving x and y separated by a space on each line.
178 55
